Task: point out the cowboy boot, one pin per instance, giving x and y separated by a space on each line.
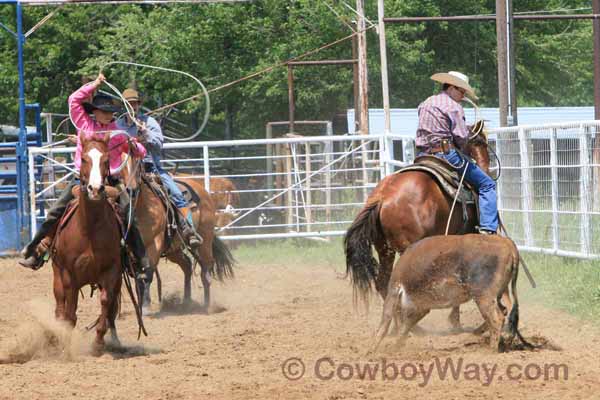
34 254
186 223
143 270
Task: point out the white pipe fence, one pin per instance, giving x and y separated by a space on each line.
314 186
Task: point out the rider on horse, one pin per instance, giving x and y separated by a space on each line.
443 132
102 107
148 131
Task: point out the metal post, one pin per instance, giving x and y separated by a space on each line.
328 156
205 156
308 172
269 160
288 182
22 219
384 69
526 187
32 199
584 189
512 97
502 70
499 181
554 176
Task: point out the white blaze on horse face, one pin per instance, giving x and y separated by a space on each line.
95 175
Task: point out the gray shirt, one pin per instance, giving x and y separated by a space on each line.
154 135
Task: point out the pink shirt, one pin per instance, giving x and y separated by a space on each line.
441 117
88 126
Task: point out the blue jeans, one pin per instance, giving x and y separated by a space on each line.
485 186
170 184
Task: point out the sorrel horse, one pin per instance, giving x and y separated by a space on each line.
403 209
213 256
87 245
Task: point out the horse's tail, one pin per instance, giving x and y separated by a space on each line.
362 234
224 260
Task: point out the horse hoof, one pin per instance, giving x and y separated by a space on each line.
146 310
97 349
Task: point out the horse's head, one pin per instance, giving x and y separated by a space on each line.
95 166
477 147
132 173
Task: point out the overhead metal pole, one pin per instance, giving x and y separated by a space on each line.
462 18
21 167
502 61
384 68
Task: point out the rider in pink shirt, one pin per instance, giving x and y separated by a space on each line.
102 107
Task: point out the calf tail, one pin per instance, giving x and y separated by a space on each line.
513 317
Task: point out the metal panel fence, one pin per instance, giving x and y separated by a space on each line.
314 186
548 187
289 187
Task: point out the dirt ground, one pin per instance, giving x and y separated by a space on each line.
267 315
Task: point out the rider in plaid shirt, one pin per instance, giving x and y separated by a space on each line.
443 131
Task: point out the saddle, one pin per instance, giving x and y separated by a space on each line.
49 245
72 207
448 178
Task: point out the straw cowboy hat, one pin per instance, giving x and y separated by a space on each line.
131 95
457 79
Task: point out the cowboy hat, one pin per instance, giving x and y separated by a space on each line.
457 79
101 102
131 95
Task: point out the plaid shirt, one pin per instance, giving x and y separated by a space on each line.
440 117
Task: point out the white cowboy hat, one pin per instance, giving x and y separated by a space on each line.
457 79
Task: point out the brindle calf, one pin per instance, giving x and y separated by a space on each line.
446 271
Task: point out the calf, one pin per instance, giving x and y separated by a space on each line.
446 271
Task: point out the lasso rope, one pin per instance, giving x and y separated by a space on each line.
131 112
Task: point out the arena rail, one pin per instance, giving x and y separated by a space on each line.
313 186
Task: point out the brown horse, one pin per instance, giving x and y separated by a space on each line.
213 256
403 209
87 246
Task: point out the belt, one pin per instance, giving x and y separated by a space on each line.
433 150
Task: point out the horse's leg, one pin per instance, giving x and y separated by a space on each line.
113 310
71 298
454 319
206 281
102 327
59 294
185 263
207 264
387 256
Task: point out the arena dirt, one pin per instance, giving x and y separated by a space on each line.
269 314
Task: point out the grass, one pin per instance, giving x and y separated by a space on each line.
293 252
567 284
564 283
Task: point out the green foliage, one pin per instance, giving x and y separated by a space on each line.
219 43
